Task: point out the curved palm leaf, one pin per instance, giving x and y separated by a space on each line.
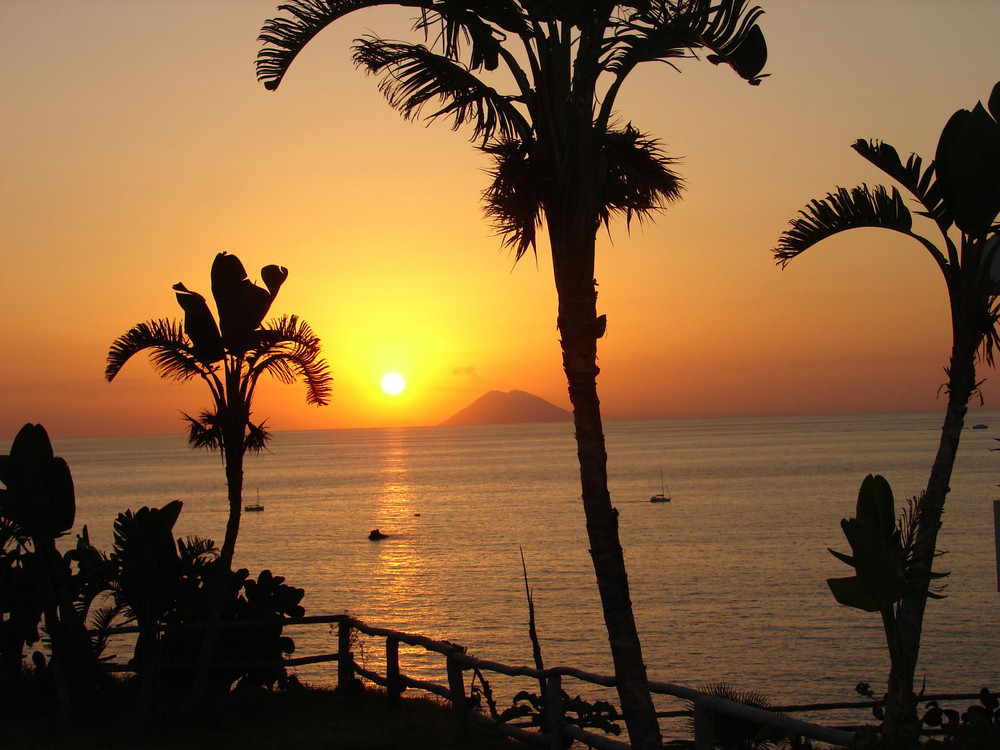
664 30
171 352
284 38
412 75
196 551
920 182
288 350
481 24
102 620
846 209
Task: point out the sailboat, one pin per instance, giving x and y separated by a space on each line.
254 507
662 496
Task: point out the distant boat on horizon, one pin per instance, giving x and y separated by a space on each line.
254 507
661 496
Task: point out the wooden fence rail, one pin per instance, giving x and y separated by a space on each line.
457 662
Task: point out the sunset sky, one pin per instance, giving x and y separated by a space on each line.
136 143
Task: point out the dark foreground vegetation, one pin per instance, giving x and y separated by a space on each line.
303 718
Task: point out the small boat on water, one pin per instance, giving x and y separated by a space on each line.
662 496
254 507
979 427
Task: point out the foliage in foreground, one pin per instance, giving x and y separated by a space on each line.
959 197
151 579
883 560
976 728
732 733
534 707
164 585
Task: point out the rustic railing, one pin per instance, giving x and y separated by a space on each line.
457 662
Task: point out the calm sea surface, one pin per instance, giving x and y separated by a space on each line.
728 580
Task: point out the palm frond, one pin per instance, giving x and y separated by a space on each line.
256 438
481 25
987 326
845 209
639 177
193 549
284 37
102 619
515 198
170 350
919 181
736 39
14 538
412 75
205 431
288 349
908 524
664 30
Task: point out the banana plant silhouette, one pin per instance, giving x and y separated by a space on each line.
230 357
547 120
959 193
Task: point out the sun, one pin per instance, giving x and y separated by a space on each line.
393 383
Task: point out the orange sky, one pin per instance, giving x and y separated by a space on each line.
135 144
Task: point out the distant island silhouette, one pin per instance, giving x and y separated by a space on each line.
497 407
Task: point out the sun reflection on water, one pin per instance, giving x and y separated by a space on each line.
400 567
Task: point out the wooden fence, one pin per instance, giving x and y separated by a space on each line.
457 662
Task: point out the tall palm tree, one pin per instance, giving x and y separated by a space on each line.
230 357
959 192
559 157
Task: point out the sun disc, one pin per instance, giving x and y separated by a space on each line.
393 383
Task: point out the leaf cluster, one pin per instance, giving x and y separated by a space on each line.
562 64
576 711
882 551
977 728
163 584
940 727
732 733
229 355
959 192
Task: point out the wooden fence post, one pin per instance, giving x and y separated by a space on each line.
456 686
553 704
345 659
996 535
393 687
703 739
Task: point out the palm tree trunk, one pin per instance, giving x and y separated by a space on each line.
901 711
578 326
233 452
234 484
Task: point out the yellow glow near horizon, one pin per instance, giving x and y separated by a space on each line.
393 384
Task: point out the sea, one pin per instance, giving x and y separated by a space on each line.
728 580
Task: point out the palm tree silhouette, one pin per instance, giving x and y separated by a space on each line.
558 156
230 357
959 193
